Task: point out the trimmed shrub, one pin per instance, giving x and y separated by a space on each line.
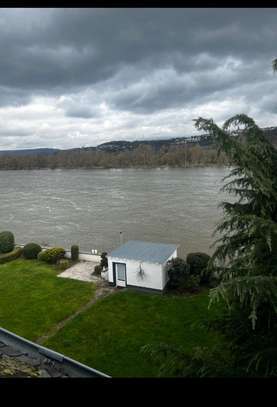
6 242
14 254
180 277
63 264
104 261
51 255
74 253
190 283
97 270
198 263
178 272
31 250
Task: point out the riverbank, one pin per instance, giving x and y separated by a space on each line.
181 156
140 167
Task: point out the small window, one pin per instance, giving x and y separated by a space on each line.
121 271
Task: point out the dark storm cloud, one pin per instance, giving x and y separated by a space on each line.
141 61
66 48
13 97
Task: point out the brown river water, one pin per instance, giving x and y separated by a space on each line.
92 207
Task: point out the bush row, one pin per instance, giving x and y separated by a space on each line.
32 250
51 255
189 274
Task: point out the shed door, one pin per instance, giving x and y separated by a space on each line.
120 273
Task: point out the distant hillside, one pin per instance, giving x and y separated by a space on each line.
202 140
122 145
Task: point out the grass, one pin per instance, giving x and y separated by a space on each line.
111 333
33 299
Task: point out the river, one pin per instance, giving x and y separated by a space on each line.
91 207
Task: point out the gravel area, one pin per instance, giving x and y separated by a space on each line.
10 367
15 363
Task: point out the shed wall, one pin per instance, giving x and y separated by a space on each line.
153 277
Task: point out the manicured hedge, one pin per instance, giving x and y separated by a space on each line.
104 260
51 255
31 250
14 254
198 263
180 277
63 264
74 253
6 242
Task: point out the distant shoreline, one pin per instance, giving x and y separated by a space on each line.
165 167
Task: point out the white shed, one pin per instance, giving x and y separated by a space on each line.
140 264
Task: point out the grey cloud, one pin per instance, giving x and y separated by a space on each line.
81 112
170 89
79 47
13 97
137 61
81 105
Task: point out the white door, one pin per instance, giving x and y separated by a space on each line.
120 272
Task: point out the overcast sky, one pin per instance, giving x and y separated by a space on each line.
80 77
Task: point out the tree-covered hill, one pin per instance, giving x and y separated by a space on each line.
124 145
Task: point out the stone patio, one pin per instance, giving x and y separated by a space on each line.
81 271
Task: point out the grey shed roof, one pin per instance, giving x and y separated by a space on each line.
144 251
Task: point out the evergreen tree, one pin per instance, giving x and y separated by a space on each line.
245 259
246 252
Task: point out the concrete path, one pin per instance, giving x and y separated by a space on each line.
81 271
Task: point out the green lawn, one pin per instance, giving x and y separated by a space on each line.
110 334
33 299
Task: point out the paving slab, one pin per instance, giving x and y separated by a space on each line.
81 271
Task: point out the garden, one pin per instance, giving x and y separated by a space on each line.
218 316
33 299
111 333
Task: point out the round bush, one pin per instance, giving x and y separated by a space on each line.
190 283
63 264
31 250
6 242
74 253
178 272
51 255
198 263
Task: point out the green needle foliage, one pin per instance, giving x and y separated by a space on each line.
246 252
245 260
